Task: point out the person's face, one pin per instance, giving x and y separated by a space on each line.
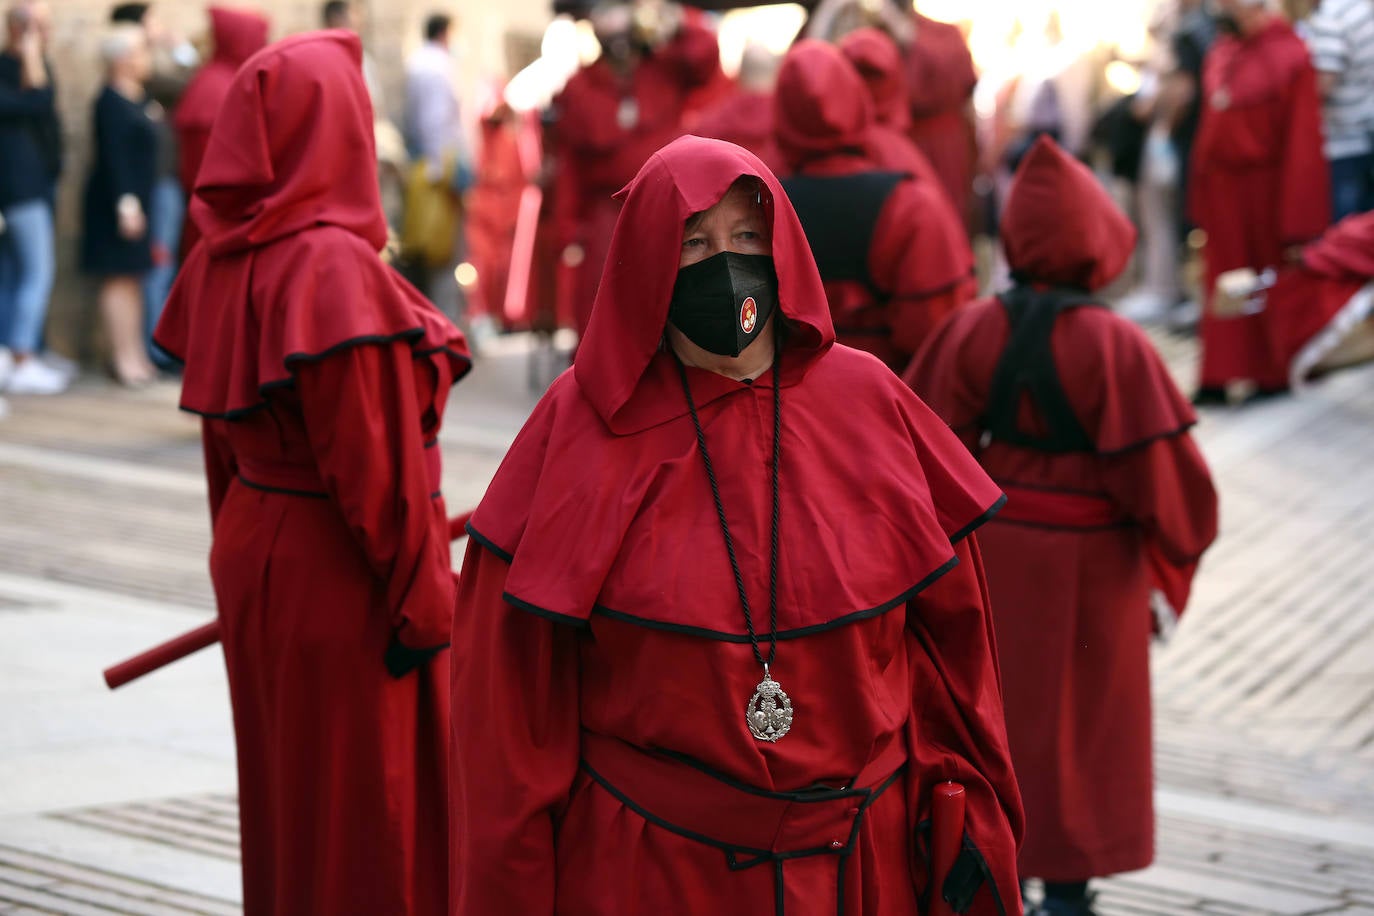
737 223
153 28
612 24
41 18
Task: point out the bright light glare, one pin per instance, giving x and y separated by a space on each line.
775 27
1123 78
465 274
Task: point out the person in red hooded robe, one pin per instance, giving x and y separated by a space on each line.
1317 315
745 116
1259 184
238 35
879 61
1109 507
722 618
321 377
891 250
610 118
939 80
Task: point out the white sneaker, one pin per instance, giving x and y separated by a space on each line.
32 376
6 366
56 361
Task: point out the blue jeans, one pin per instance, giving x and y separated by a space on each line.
27 269
1352 186
164 227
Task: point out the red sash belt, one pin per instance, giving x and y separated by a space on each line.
750 825
1058 509
304 479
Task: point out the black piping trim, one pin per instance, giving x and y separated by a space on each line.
798 633
436 494
432 442
731 850
291 359
978 522
544 612
1148 440
977 854
488 543
779 888
281 491
1047 526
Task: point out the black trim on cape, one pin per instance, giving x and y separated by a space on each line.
290 360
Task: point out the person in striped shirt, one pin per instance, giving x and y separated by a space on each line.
1340 36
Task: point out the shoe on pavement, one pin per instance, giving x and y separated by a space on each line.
60 363
1143 306
33 376
1055 907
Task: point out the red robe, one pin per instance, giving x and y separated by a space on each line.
605 766
940 80
1259 183
598 155
919 257
878 60
492 205
744 118
1316 305
321 377
1087 535
238 35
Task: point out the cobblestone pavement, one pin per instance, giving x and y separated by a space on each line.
123 803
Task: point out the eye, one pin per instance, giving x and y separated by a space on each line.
748 235
693 243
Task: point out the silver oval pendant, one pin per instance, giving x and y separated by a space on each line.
769 712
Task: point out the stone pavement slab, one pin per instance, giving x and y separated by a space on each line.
124 802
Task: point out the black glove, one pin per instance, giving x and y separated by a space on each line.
400 659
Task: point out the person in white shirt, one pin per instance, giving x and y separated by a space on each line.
1340 35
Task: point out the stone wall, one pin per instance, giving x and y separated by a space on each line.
393 29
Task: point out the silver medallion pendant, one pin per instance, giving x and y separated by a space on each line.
769 712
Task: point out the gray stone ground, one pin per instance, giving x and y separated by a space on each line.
124 802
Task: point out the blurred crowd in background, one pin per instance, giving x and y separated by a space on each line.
503 215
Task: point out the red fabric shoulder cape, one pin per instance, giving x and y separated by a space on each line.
874 487
288 268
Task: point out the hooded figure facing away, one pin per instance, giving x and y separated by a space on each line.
238 35
1109 507
721 625
890 248
321 377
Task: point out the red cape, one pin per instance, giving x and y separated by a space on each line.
289 268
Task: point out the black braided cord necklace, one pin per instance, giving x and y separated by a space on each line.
769 711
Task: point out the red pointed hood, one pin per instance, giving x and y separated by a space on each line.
292 148
239 34
823 107
1060 227
879 62
616 367
1345 251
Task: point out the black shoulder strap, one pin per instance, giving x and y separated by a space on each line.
1027 367
838 214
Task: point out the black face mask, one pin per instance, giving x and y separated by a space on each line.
722 303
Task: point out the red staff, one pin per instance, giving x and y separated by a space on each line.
193 641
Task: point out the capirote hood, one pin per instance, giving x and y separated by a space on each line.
1060 227
879 62
238 33
292 148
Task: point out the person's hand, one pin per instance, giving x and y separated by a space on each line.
133 225
34 68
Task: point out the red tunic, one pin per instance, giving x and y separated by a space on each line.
1258 185
493 204
1316 305
940 81
609 769
919 257
238 35
1087 535
598 153
322 378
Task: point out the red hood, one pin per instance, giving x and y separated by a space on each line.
822 105
1060 226
239 34
687 176
879 61
292 148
